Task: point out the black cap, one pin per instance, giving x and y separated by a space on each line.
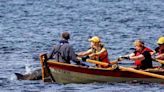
66 35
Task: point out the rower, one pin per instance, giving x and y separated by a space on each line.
97 51
141 55
160 49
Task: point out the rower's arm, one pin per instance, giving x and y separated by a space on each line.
101 51
142 56
161 56
139 57
153 52
86 53
131 55
98 53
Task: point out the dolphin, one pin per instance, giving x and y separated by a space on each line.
35 75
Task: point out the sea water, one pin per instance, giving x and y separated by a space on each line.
29 27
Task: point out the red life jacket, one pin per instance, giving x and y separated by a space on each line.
138 62
103 57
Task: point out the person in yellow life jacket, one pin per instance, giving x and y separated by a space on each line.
96 52
141 55
160 49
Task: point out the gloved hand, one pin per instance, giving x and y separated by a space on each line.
85 58
125 57
120 59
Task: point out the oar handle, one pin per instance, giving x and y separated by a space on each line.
113 67
160 61
95 62
103 63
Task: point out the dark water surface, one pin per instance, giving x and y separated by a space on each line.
29 27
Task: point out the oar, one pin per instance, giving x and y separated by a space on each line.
141 72
160 61
99 62
128 69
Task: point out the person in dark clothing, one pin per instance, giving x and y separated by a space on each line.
63 52
141 55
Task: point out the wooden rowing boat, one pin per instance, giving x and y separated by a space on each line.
68 73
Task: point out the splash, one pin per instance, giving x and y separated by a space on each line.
28 68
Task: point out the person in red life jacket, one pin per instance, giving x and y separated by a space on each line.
96 52
160 49
141 55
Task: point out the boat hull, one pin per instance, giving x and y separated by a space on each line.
67 73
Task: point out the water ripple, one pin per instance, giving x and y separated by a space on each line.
29 27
